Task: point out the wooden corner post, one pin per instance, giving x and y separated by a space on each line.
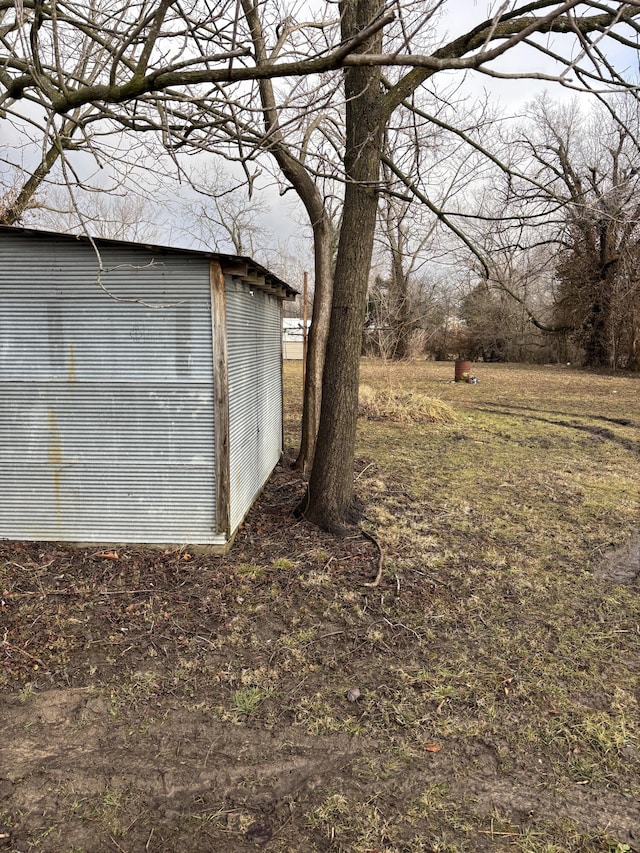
220 398
282 406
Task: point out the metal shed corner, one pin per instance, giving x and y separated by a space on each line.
141 390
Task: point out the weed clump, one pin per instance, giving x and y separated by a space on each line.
402 406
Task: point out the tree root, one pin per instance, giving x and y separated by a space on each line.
372 538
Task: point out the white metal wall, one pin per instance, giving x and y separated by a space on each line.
255 393
106 399
292 350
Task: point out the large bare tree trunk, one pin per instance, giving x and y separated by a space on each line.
330 492
317 343
307 190
399 309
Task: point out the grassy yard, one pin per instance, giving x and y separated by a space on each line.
482 697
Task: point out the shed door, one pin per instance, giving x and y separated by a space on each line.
255 393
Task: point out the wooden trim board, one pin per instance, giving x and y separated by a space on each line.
221 398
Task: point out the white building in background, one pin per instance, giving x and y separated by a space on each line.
293 337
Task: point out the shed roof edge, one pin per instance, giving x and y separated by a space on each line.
240 266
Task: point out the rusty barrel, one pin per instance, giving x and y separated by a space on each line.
463 371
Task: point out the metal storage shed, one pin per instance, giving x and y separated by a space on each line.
142 403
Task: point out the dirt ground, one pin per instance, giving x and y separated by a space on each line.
274 699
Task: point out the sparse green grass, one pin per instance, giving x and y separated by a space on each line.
247 701
502 513
498 676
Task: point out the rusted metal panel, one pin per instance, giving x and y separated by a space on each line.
106 393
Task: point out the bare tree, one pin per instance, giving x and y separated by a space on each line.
368 111
292 156
406 237
566 218
220 212
187 74
57 137
590 164
123 216
194 77
411 236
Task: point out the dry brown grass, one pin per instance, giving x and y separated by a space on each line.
401 406
178 702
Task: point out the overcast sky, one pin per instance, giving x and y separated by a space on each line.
458 16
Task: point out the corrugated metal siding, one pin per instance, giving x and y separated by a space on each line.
106 413
255 393
269 335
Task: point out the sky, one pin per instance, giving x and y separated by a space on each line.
282 222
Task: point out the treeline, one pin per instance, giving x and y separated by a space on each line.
554 271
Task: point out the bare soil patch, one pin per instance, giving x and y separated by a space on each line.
483 697
622 564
